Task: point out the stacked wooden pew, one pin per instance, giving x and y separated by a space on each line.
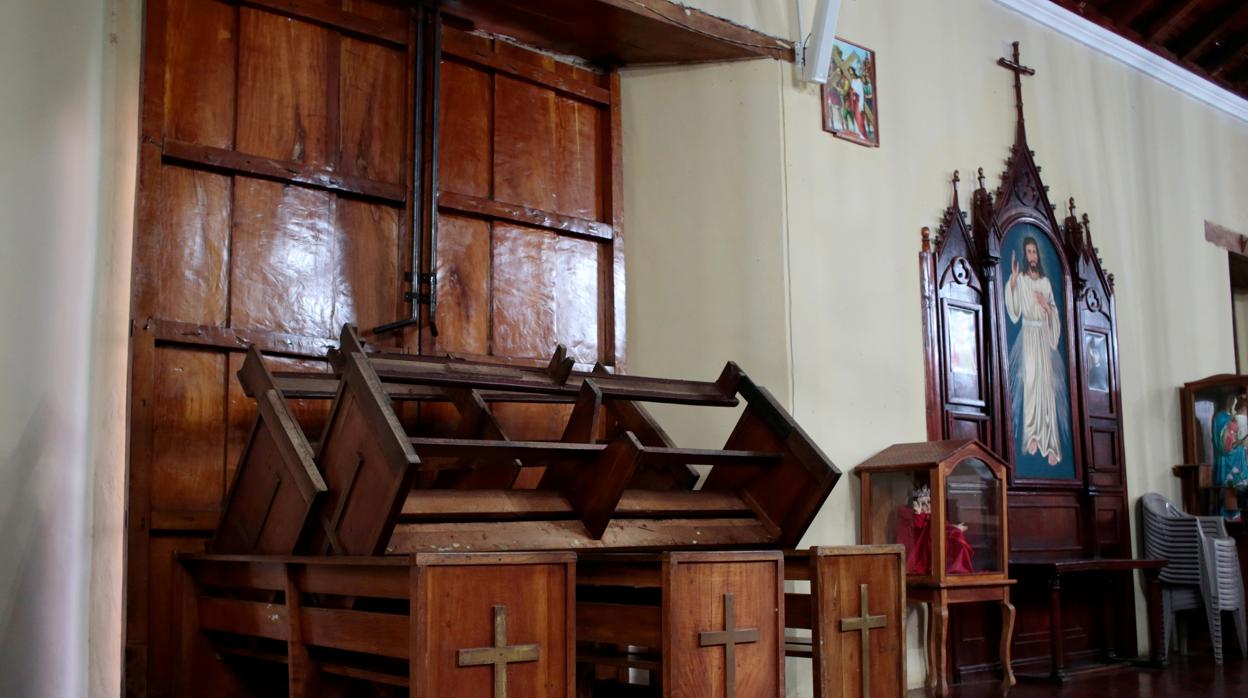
369 556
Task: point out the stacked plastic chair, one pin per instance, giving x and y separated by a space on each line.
1203 569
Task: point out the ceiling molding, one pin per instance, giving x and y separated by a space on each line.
1124 51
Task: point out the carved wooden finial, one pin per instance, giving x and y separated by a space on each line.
980 176
1071 203
926 234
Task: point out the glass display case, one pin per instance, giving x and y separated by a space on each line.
944 501
1214 411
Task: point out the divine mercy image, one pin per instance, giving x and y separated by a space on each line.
1038 377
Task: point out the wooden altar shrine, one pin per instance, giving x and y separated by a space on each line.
370 556
1067 489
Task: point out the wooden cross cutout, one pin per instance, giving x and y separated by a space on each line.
864 624
500 655
1015 66
729 637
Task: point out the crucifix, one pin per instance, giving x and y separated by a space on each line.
500 655
729 637
1015 66
864 624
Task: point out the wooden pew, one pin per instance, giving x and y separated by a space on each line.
277 484
852 619
377 477
426 626
697 622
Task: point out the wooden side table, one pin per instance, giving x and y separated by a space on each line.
1051 572
939 597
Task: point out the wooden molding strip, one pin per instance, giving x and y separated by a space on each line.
454 44
282 170
488 208
230 339
691 19
348 22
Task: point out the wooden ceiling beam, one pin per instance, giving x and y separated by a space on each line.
1124 12
1161 29
1208 32
1233 57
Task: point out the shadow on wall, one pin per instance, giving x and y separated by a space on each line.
43 577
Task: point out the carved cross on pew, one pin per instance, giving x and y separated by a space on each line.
500 655
729 637
864 624
1015 66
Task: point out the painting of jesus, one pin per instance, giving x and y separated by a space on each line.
1036 338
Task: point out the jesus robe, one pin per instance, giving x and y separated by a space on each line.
1040 333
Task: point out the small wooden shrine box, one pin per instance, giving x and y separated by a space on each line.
702 623
945 501
856 614
433 625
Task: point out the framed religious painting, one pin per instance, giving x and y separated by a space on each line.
1037 366
850 96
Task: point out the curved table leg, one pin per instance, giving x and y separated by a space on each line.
1007 637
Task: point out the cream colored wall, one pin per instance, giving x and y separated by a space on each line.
68 135
1148 164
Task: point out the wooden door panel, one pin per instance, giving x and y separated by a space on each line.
548 150
188 445
283 275
373 93
199 82
465 118
463 285
385 10
185 274
368 264
283 91
545 292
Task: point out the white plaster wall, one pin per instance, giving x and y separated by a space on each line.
1147 163
68 132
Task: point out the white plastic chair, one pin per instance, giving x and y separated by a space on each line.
1203 569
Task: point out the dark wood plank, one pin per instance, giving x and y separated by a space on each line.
468 48
623 32
287 171
354 23
621 534
516 213
540 505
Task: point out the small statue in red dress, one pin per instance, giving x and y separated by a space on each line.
914 530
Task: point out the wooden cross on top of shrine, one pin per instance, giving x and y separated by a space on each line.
500 655
729 638
1015 65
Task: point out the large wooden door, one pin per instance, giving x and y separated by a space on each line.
528 249
278 197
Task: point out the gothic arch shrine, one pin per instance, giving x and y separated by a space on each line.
1021 352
